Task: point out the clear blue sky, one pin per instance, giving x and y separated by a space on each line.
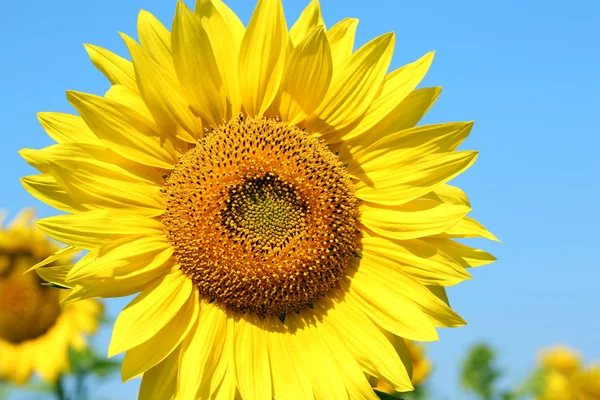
525 71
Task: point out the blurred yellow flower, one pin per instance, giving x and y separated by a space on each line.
421 367
35 330
566 378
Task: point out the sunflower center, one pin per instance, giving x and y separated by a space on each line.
262 217
27 309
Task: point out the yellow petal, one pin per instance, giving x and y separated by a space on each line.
235 26
307 77
123 131
383 283
132 100
147 355
128 257
226 32
150 311
161 94
352 90
55 274
252 359
325 376
395 88
309 19
201 350
389 181
155 39
159 383
289 379
91 154
262 57
417 258
414 142
356 383
97 188
449 194
65 252
196 67
406 115
66 128
92 229
469 228
412 220
368 345
397 314
467 256
45 188
117 70
341 39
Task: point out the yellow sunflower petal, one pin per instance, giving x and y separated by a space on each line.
91 229
369 346
132 100
395 88
341 39
148 354
352 90
201 350
161 95
159 383
65 252
149 312
356 382
449 194
123 131
468 228
414 142
196 67
126 257
467 256
309 19
252 359
418 258
97 189
226 32
391 182
412 220
66 128
325 376
45 188
307 76
375 281
406 115
117 70
155 39
55 274
262 57
289 379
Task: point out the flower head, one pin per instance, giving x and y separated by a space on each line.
36 332
268 193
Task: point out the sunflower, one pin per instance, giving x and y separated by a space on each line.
421 368
270 196
36 332
565 378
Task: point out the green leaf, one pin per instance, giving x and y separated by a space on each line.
386 396
479 371
54 285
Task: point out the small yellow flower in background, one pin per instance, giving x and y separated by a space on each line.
36 332
268 193
565 378
421 367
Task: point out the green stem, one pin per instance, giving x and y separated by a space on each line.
60 390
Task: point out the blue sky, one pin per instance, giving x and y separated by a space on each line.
526 72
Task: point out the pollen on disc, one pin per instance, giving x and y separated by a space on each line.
262 217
